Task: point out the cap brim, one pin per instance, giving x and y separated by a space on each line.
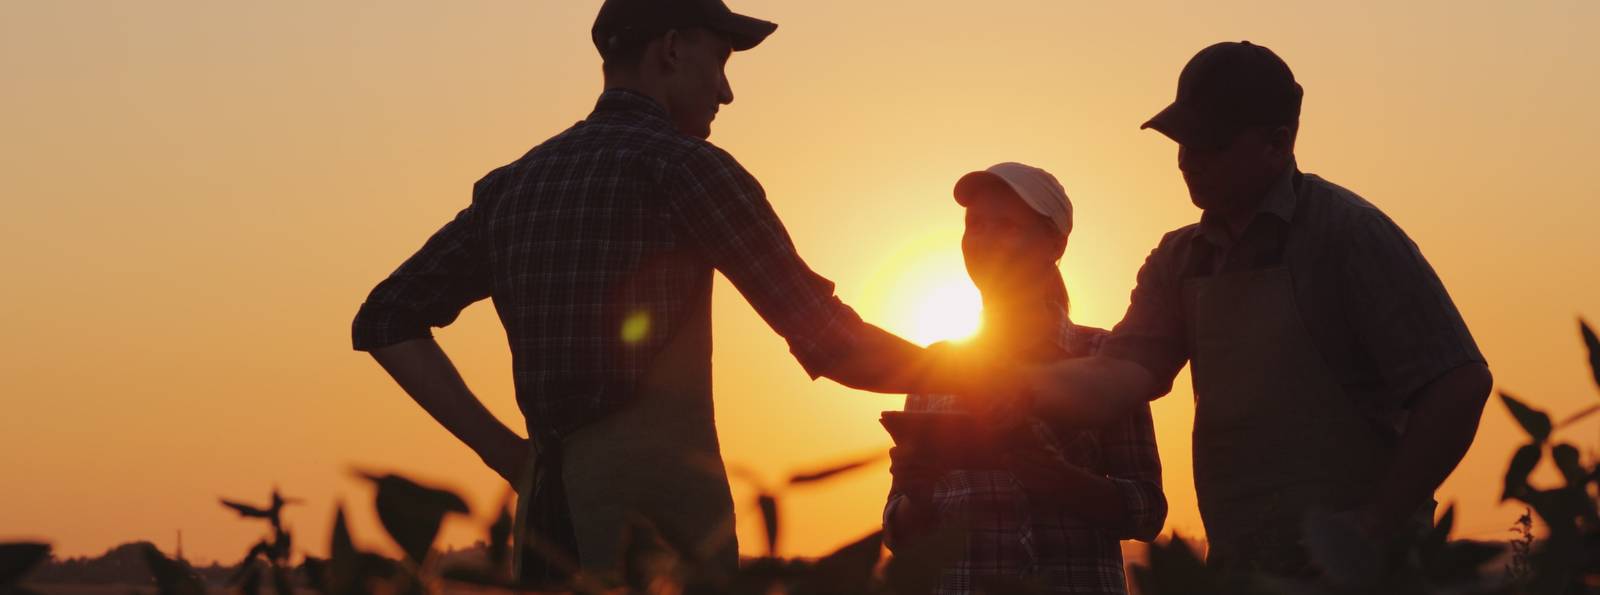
1188 128
744 32
974 183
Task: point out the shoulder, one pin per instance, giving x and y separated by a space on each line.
699 157
1347 217
1336 206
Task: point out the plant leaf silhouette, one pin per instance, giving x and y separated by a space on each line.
16 559
1536 423
846 571
1593 344
246 510
1522 463
412 513
1566 458
815 476
769 517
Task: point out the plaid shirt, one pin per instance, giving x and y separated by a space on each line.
1009 534
597 248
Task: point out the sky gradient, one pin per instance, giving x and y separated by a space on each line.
198 195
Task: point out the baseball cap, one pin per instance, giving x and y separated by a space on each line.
1036 187
1225 88
620 21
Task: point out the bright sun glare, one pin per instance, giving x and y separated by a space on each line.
921 292
949 311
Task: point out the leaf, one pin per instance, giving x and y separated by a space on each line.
1522 463
1593 343
769 517
1566 458
412 513
816 476
846 571
246 510
1535 423
16 559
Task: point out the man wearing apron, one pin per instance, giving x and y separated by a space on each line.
598 248
1333 375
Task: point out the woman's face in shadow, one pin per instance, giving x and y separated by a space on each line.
1007 246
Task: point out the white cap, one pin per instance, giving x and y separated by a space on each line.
1036 187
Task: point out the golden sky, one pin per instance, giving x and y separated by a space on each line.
197 196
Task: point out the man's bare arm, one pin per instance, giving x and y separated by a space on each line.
1442 423
421 367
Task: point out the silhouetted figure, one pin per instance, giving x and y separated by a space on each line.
1052 507
597 248
1335 382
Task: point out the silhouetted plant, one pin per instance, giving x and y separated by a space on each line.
271 554
1568 560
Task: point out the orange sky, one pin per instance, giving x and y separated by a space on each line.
199 194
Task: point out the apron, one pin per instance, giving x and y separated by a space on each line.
1276 436
656 459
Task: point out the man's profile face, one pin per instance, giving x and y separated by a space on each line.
1234 177
698 86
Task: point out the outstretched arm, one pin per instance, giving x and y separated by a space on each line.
1091 391
421 367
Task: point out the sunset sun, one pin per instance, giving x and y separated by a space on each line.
949 311
921 291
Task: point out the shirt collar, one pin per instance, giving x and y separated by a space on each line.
628 100
1280 202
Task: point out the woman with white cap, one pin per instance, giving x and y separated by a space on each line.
1046 505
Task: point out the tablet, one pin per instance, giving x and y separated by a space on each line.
950 440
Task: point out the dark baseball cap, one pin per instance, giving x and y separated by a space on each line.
621 21
1224 89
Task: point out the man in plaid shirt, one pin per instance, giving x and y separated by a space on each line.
597 248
